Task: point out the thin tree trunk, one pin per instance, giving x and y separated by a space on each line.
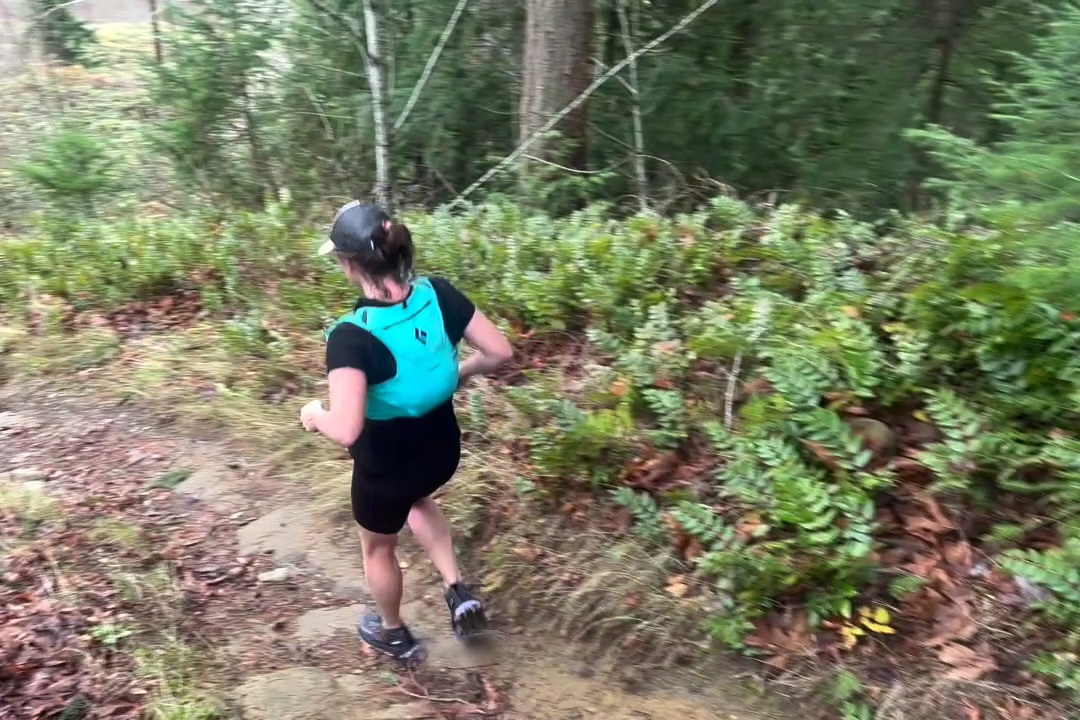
635 109
156 30
260 161
384 189
950 27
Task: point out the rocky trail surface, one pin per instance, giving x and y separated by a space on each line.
268 590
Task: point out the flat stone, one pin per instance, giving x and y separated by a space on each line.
402 711
316 625
298 693
216 488
11 421
282 533
36 487
280 574
343 565
22 475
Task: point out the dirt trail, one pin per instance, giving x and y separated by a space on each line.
281 621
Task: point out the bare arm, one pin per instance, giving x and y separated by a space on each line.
492 347
344 421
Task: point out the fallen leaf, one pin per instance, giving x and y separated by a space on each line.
822 454
955 654
959 555
967 663
952 622
677 587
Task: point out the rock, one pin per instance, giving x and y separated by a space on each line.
282 533
216 488
280 574
298 693
404 711
22 476
323 623
878 438
10 421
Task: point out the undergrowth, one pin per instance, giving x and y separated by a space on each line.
794 412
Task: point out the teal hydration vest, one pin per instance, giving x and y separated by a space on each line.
427 362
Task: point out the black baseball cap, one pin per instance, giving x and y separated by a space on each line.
355 228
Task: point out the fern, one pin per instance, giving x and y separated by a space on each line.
643 508
1056 570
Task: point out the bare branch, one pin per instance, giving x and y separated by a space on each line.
430 66
576 102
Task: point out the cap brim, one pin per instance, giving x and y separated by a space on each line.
327 247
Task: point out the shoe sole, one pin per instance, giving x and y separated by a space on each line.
472 625
416 653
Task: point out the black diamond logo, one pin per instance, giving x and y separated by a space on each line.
421 336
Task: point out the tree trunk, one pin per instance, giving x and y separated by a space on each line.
384 187
949 26
156 30
558 45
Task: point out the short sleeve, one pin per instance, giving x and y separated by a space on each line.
350 346
457 308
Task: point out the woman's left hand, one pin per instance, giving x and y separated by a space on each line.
308 414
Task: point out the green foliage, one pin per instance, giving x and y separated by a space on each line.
1029 178
212 90
645 511
63 35
751 386
73 168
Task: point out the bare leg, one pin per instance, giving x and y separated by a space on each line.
432 531
383 575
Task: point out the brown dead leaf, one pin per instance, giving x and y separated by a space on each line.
911 470
528 552
934 508
677 586
654 474
780 662
967 663
957 655
748 526
959 555
925 528
693 550
952 622
822 454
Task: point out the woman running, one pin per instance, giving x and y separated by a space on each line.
392 366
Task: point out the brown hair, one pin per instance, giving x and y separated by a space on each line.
390 257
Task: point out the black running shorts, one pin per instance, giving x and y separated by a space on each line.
381 504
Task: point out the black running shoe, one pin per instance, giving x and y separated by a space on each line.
467 616
396 642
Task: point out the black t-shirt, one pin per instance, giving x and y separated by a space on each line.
401 448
